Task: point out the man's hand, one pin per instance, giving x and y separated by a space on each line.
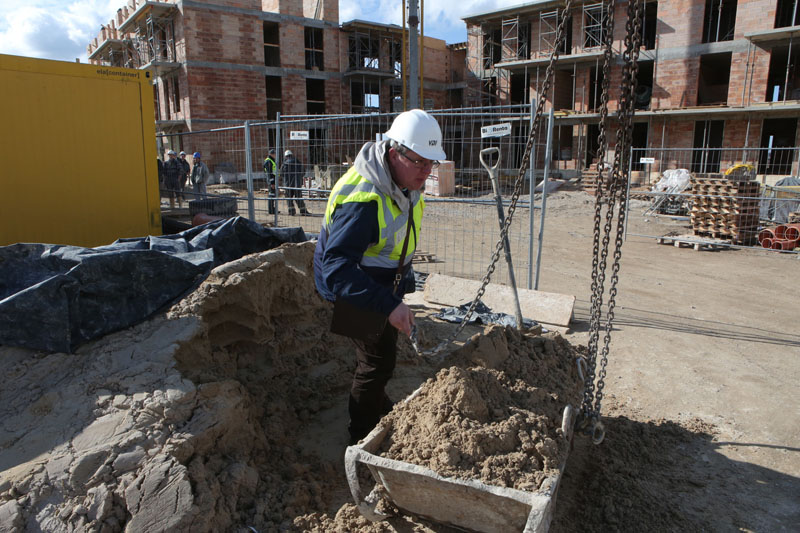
402 318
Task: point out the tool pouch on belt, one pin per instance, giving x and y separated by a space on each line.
362 324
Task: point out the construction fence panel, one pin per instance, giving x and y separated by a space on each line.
461 225
733 197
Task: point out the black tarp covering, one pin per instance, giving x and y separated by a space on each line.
482 314
54 297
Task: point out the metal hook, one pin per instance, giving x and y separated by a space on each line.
581 362
598 432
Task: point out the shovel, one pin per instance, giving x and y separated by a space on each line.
492 170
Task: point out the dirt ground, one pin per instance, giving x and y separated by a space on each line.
229 413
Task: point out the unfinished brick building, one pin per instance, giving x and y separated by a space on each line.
713 75
219 62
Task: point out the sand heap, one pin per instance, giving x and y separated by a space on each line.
495 415
211 417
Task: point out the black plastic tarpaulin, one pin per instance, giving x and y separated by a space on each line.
55 297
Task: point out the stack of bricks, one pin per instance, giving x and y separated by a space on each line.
725 209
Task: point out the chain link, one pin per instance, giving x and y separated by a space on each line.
518 184
615 199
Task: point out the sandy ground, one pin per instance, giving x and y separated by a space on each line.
230 412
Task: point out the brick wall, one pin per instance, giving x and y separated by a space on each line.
227 94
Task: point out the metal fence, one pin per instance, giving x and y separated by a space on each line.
461 226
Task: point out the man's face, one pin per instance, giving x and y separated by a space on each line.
183 156
409 170
172 156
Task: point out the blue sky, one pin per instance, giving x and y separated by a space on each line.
61 29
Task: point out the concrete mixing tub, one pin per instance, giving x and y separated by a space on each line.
466 504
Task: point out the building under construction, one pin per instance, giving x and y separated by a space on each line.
216 62
713 75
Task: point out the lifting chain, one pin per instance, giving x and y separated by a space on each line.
615 198
518 184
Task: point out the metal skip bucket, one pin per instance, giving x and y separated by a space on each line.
467 504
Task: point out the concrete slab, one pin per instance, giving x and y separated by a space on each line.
544 307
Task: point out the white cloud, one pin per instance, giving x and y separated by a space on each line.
58 29
53 30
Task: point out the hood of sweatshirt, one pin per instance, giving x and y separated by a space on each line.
371 164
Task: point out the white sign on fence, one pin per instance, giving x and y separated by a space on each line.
298 135
648 160
496 130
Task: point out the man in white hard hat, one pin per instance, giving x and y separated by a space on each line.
172 174
358 254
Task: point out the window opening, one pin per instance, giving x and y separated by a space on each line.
707 143
778 140
316 146
156 101
787 13
650 25
644 85
315 96
272 51
712 85
639 144
176 95
595 88
273 86
719 21
314 49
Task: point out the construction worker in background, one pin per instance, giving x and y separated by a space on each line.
184 176
358 252
172 174
292 172
270 166
200 176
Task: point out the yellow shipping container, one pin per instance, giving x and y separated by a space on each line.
77 153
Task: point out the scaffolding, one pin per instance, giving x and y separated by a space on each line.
594 16
515 39
548 30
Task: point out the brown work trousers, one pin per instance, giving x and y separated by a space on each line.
374 367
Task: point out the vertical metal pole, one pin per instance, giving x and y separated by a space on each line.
531 187
248 161
547 158
277 166
413 56
788 63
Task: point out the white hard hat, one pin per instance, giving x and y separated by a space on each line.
287 153
182 152
171 152
418 131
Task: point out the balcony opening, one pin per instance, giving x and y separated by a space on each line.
492 47
363 52
650 25
314 54
778 140
592 144
712 86
365 97
707 143
562 143
273 84
595 88
315 96
787 14
272 51
520 89
639 143
644 85
719 21
783 82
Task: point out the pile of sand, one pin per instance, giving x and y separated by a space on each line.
228 413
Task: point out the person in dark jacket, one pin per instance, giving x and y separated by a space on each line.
172 174
185 169
270 166
360 245
292 174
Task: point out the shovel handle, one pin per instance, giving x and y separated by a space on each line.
488 151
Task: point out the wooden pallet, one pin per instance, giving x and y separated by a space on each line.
424 257
696 244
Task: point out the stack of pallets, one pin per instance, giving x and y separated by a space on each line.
725 209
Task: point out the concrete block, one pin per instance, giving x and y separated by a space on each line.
544 307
